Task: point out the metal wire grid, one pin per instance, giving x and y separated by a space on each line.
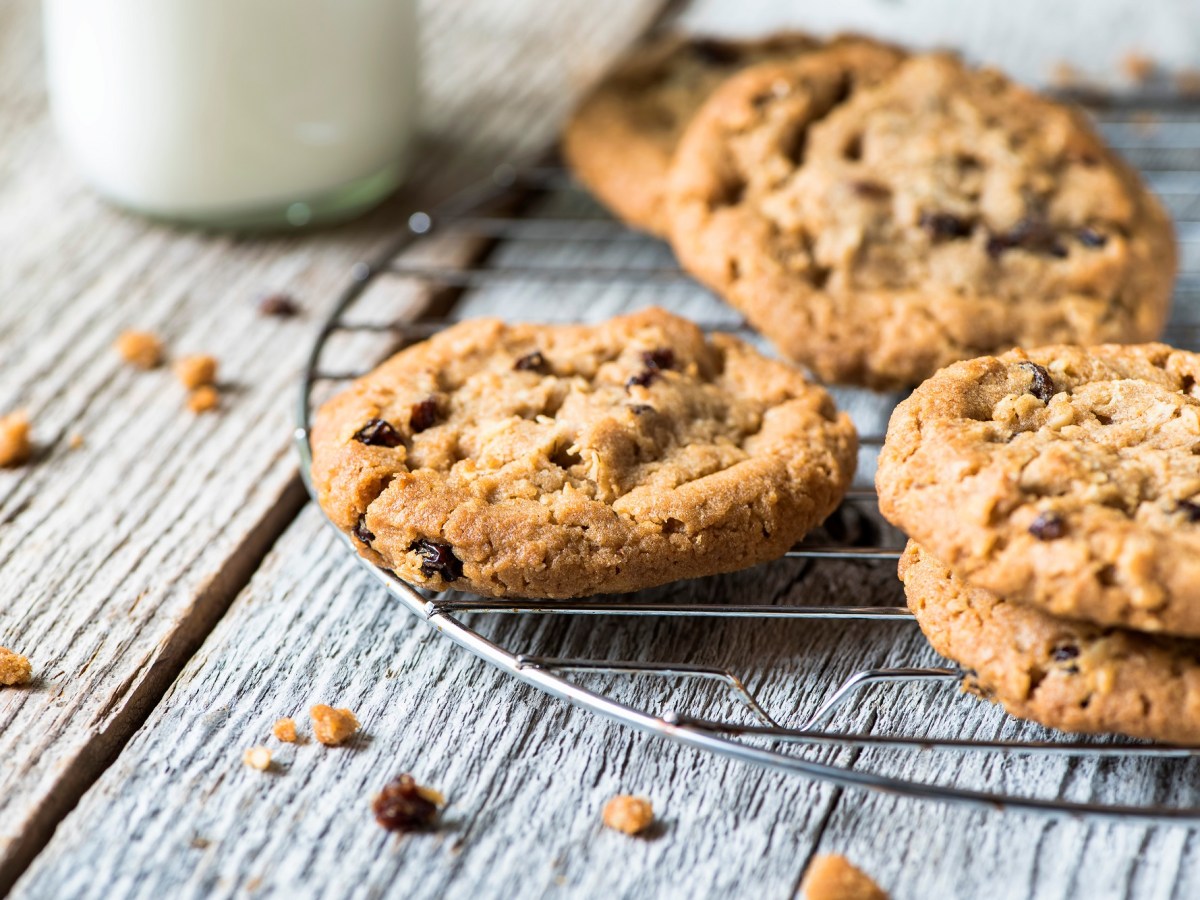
473 213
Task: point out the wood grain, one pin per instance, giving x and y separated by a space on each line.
117 558
527 777
163 517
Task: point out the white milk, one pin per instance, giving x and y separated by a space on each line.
235 111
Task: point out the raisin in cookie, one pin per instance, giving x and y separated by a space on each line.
1063 477
879 218
560 461
620 140
1064 674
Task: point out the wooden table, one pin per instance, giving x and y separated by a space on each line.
176 595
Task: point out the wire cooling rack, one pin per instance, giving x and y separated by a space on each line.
1162 137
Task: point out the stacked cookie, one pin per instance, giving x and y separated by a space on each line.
877 214
1053 502
541 461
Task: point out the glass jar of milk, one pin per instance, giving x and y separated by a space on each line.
236 113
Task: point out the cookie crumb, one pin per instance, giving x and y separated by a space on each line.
285 730
257 758
203 399
1187 82
140 349
75 441
1138 67
332 726
196 371
14 668
278 304
403 805
15 447
1064 75
631 815
833 877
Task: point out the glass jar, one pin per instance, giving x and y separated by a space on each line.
236 113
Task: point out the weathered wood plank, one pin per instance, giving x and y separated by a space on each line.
117 558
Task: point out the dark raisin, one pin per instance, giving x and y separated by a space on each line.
361 531
659 359
423 415
378 433
642 379
278 304
872 190
1063 652
1089 237
1032 233
531 362
1190 510
641 409
437 560
716 53
1048 526
943 226
400 806
1043 385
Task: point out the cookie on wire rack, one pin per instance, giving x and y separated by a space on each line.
1064 477
1064 674
620 140
556 461
879 217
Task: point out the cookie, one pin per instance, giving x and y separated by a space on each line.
560 461
1062 477
880 217
620 140
1069 675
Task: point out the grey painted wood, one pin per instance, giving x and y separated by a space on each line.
117 558
178 815
527 776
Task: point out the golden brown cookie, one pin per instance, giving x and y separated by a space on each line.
566 460
620 140
879 218
1063 477
1064 674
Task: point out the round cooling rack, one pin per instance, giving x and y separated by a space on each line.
511 207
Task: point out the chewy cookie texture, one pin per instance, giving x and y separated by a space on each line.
562 461
1065 674
1062 477
880 216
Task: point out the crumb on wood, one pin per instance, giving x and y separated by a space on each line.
833 877
631 815
1065 75
403 805
285 730
140 348
257 758
204 399
15 446
14 668
278 304
1187 82
333 726
75 441
196 370
1138 67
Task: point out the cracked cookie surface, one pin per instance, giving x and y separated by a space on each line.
567 460
1064 674
880 217
1064 477
620 140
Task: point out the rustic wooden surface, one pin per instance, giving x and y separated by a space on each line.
124 569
